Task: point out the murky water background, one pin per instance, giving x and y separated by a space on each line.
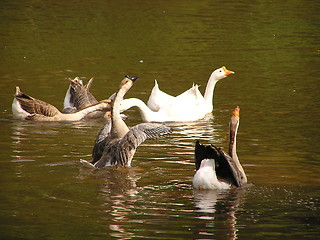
272 46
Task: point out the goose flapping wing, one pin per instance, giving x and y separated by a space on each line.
137 135
100 141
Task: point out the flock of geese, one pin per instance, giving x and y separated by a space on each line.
116 144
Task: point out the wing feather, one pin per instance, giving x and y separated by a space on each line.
226 169
36 106
100 141
137 135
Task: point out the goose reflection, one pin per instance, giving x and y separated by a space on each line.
118 193
218 209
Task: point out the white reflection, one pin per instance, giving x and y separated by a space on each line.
219 206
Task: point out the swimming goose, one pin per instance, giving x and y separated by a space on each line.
159 99
78 95
217 169
170 113
115 143
25 107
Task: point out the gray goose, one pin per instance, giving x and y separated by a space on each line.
116 144
25 107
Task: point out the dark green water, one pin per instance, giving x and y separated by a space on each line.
272 46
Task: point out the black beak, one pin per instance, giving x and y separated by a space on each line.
132 78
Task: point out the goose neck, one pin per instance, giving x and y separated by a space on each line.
119 128
208 94
146 113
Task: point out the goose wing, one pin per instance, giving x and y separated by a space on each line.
91 98
226 169
80 94
137 135
36 106
100 141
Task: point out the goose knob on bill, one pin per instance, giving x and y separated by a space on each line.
116 144
215 168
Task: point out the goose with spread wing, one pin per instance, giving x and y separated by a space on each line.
217 169
115 144
25 107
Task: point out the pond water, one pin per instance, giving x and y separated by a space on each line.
272 46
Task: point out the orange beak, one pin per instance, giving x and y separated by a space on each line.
236 112
228 72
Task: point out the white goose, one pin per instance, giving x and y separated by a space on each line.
188 106
159 99
25 107
115 143
171 113
217 169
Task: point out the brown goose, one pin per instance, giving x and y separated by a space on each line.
78 95
115 143
217 169
25 107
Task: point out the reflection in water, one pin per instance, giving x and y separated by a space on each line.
118 192
219 207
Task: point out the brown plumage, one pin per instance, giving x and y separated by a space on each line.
26 107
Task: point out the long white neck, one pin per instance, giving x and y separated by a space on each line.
77 116
119 128
147 114
233 153
208 94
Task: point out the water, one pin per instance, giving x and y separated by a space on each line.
272 46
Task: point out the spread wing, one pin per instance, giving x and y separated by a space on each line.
225 167
138 134
100 141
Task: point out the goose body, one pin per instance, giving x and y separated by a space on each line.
78 95
159 99
173 112
206 178
116 144
25 107
217 169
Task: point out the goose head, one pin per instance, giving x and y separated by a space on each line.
221 73
234 123
125 85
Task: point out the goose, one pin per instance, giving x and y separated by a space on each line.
170 113
25 107
115 144
159 99
217 169
78 96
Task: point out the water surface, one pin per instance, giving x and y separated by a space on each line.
272 46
